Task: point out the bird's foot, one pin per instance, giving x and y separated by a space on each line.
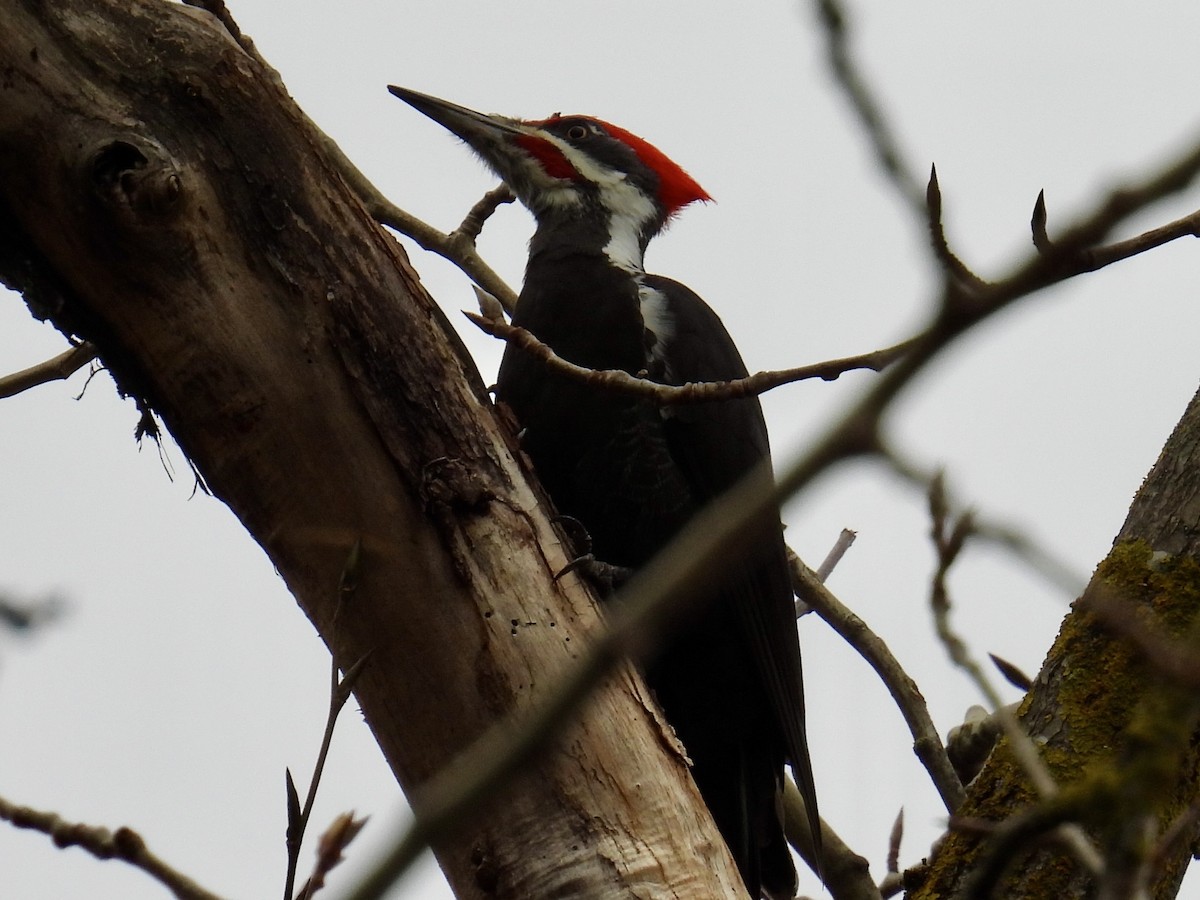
605 576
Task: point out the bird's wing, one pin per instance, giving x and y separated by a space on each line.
715 444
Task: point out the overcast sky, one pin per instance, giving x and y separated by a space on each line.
183 678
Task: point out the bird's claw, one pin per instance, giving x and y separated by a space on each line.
605 576
580 540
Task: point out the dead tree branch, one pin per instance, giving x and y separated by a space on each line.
927 743
880 137
59 368
124 844
695 392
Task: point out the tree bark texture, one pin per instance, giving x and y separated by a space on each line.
1117 731
161 196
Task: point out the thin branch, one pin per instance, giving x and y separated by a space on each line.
857 430
693 392
339 692
893 880
1120 204
458 246
1092 260
1008 537
124 844
473 222
954 268
870 114
834 556
926 742
949 535
846 874
59 368
1037 224
331 850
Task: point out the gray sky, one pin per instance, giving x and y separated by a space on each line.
184 678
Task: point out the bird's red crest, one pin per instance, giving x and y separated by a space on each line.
676 188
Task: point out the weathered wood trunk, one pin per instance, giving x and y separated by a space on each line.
161 196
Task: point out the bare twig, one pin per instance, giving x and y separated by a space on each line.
926 742
124 844
330 851
1187 226
846 874
1037 224
834 556
949 537
59 368
695 392
472 223
458 246
339 692
1118 206
828 564
1006 536
879 133
954 267
893 880
1179 829
1011 672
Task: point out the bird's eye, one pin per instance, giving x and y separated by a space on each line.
577 132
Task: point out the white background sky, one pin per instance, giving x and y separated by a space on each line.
183 678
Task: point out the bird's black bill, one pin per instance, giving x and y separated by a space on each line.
466 123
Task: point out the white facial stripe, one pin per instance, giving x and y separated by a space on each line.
630 211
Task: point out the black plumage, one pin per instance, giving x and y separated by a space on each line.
633 473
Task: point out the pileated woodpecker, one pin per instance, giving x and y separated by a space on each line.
633 473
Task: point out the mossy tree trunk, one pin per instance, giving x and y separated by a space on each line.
1114 712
